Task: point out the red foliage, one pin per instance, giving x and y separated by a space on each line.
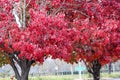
65 29
44 35
99 29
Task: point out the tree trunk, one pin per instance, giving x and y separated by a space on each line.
12 63
96 75
25 73
95 70
25 68
110 68
24 65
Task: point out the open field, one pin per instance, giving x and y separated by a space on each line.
69 77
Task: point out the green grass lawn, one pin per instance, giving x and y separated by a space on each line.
112 75
68 77
65 77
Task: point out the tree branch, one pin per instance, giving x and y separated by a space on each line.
59 8
17 75
28 3
16 17
17 60
89 68
24 14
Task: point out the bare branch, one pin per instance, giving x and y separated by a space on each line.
17 18
24 14
17 60
59 8
28 3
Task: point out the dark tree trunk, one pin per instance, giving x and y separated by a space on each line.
12 63
95 70
96 75
110 68
24 65
25 72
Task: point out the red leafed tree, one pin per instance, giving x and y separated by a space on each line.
31 30
98 22
30 33
99 32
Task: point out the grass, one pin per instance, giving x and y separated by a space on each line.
112 75
65 77
69 77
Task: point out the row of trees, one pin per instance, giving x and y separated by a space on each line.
71 30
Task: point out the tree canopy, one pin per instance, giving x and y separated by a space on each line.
98 24
72 30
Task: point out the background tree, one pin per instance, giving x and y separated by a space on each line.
98 24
